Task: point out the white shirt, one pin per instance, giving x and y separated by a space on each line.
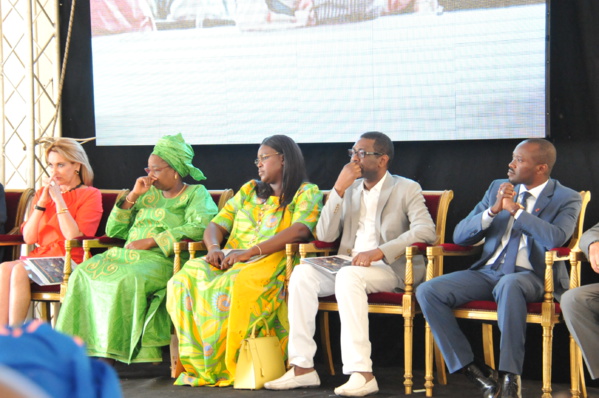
522 257
366 237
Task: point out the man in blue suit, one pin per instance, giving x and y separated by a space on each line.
519 219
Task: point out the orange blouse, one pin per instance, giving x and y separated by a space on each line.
84 204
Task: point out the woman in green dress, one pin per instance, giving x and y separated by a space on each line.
213 299
115 300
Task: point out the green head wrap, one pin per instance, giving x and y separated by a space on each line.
178 154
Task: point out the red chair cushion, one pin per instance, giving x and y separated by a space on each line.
421 246
432 204
35 288
11 238
325 245
12 205
562 251
110 241
374 298
452 247
108 200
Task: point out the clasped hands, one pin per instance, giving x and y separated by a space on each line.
50 192
505 200
217 258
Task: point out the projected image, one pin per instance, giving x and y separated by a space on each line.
233 71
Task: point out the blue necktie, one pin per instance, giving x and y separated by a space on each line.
513 244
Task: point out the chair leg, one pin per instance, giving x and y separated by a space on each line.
428 360
547 351
583 385
574 369
55 305
489 352
325 339
408 347
176 366
44 311
440 366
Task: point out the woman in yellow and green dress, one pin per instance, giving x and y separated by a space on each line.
213 299
115 300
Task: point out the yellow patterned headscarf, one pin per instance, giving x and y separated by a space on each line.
178 154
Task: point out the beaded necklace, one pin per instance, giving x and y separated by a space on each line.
72 189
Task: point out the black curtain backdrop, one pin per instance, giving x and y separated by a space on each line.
466 167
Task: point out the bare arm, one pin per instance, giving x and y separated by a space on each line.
213 238
295 233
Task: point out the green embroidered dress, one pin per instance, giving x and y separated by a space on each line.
115 300
212 309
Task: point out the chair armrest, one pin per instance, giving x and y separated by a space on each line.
103 242
317 246
451 249
418 248
576 258
197 246
436 253
11 239
561 253
186 244
577 255
551 256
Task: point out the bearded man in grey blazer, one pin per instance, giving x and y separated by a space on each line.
580 306
377 216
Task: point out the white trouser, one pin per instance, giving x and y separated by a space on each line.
350 285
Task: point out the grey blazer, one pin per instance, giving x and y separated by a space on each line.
590 236
402 218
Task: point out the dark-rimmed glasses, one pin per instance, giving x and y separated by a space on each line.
262 158
362 153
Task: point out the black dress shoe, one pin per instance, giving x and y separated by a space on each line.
510 386
482 379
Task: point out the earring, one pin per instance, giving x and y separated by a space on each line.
176 176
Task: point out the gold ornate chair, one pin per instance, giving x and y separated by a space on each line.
546 313
17 204
578 386
220 197
404 304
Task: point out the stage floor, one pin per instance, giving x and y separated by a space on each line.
153 381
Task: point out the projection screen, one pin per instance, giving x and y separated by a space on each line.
235 71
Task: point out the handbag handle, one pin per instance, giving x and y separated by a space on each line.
253 327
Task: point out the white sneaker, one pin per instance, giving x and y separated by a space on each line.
289 381
357 386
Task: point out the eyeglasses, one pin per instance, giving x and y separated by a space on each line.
361 153
262 158
156 170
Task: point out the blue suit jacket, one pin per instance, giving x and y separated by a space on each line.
550 225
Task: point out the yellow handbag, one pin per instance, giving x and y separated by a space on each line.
260 360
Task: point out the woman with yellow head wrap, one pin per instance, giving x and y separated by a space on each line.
116 299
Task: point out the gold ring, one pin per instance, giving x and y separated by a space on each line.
501 192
